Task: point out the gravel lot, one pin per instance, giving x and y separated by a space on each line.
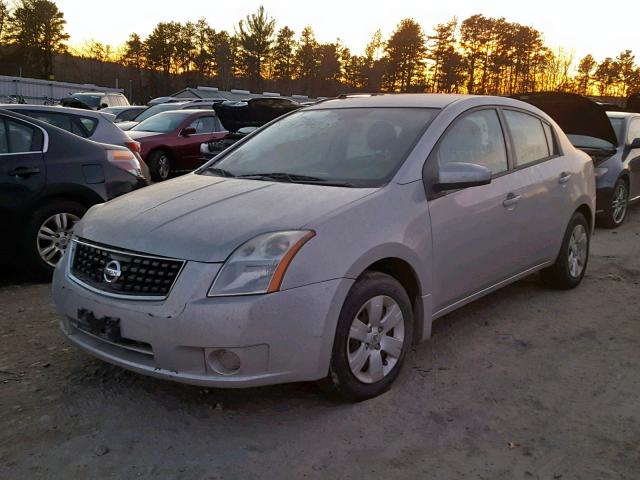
526 383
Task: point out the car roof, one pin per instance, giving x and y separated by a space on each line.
420 100
55 108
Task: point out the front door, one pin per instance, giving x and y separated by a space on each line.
473 229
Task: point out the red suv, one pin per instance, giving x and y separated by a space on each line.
170 141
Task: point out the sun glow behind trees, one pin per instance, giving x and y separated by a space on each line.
478 54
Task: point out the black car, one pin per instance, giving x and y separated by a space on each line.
611 139
48 180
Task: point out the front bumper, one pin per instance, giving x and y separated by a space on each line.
281 337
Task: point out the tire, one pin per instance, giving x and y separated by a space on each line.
615 214
42 250
159 165
570 266
375 373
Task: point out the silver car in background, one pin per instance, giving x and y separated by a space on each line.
324 245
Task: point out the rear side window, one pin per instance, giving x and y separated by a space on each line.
529 138
89 124
56 119
475 138
4 144
551 139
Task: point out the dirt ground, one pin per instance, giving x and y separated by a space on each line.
526 383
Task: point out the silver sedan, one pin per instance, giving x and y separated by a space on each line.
324 245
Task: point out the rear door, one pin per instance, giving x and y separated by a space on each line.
22 171
542 181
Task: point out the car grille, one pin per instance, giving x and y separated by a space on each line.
122 273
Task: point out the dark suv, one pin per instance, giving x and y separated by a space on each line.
48 180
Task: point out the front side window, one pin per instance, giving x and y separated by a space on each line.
358 147
529 138
634 131
161 123
475 138
203 125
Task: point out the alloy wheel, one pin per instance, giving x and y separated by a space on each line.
376 339
619 203
54 235
578 250
164 168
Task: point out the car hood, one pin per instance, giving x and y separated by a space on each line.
139 134
126 125
205 218
574 114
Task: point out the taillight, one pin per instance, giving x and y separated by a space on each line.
125 160
133 146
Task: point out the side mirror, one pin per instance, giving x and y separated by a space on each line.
453 176
103 105
185 132
635 143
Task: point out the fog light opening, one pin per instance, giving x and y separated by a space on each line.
224 362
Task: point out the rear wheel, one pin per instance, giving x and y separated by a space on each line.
616 213
48 235
570 266
374 333
159 165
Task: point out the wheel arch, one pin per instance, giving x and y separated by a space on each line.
401 270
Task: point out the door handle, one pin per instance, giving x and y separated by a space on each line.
24 171
564 177
511 200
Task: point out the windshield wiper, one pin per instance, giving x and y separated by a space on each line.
294 178
221 172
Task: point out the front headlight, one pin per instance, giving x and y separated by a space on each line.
259 265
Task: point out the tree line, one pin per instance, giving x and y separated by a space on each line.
479 54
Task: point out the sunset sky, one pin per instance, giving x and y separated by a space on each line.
567 23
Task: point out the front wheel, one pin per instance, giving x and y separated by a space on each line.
48 235
373 335
570 266
159 166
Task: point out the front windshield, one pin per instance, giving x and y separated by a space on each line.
161 123
618 127
360 147
151 111
88 99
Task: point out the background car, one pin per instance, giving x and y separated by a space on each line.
48 180
165 107
611 139
94 100
170 141
253 112
213 147
124 114
96 126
